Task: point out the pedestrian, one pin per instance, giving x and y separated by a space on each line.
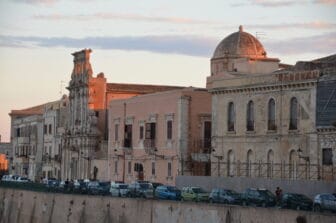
278 194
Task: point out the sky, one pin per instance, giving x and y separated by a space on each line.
148 41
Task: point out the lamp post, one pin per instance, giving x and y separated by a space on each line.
219 157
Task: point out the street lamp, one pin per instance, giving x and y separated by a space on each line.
219 157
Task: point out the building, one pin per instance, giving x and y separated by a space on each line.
158 136
86 130
271 120
5 157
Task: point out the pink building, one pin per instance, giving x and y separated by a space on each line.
158 136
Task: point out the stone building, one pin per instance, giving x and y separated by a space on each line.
158 136
86 130
266 116
35 138
6 156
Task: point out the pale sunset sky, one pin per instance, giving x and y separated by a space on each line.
149 41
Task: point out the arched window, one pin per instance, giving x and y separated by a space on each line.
249 160
271 114
231 117
293 114
270 159
230 163
250 116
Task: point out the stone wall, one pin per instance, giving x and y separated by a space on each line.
239 184
27 206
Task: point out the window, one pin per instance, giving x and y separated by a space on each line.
153 169
207 136
169 169
231 117
169 129
327 156
116 167
50 129
293 114
141 132
128 136
116 130
129 167
45 129
150 135
250 116
271 114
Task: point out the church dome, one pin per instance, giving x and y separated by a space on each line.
240 44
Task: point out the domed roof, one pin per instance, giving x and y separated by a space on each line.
240 44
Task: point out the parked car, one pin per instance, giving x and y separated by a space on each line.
53 186
296 201
156 184
220 195
324 202
258 197
119 190
22 180
7 178
194 194
80 187
98 188
144 190
168 192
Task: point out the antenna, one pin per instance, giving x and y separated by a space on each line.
61 88
260 35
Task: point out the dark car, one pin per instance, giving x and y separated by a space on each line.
296 201
225 196
53 186
80 187
144 190
168 192
156 184
258 197
324 202
93 188
104 188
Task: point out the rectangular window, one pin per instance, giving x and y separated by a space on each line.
50 131
169 129
327 156
128 136
141 132
153 169
150 135
169 169
116 130
45 129
116 167
207 135
129 167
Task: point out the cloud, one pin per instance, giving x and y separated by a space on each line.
273 3
322 44
38 2
307 25
132 17
184 45
326 2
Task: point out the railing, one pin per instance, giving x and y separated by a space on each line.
274 170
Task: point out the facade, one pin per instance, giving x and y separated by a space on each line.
265 118
86 130
158 136
5 157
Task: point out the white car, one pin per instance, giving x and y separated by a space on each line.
119 190
22 179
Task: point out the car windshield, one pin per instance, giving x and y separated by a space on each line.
123 186
146 186
104 184
198 190
231 192
266 193
172 189
300 197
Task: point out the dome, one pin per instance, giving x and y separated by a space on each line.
240 44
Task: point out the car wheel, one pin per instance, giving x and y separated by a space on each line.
298 208
182 199
244 203
210 201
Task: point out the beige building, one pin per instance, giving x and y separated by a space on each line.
158 136
265 115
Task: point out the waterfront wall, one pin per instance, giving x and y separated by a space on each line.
30 207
